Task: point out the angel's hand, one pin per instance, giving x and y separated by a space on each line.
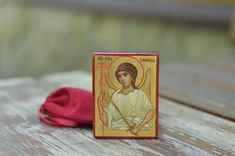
135 131
101 98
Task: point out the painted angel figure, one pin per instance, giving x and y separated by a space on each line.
128 108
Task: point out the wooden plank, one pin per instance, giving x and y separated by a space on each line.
209 86
168 10
183 130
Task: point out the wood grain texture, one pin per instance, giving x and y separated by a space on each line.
209 86
183 130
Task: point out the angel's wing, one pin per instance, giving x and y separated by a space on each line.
146 86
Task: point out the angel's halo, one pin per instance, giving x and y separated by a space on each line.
122 59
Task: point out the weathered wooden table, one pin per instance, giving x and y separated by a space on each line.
197 114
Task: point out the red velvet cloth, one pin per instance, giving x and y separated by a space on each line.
67 107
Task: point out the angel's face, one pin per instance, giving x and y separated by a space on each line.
125 78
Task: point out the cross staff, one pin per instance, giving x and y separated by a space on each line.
120 113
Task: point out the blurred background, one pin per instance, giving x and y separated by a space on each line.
45 36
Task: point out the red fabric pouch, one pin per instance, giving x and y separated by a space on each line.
67 107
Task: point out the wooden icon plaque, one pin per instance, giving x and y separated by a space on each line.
125 94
